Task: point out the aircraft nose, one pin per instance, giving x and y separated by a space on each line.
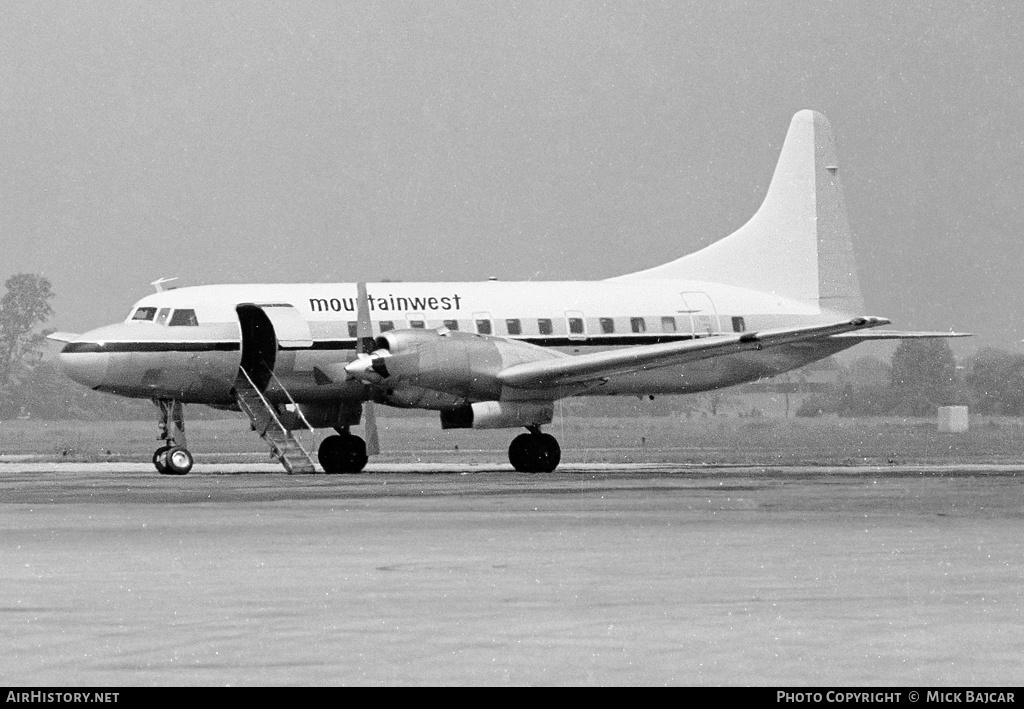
84 366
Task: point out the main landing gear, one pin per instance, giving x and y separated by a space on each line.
534 452
172 458
343 453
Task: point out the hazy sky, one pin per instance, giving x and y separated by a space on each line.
322 141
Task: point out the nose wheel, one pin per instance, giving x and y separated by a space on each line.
172 458
534 452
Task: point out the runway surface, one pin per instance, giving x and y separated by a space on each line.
459 574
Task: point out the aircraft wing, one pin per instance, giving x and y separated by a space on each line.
896 335
590 367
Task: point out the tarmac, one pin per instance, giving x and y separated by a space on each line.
455 574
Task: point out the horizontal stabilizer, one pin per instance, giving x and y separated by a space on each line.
589 367
63 336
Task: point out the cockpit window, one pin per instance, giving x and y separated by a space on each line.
144 314
161 317
184 316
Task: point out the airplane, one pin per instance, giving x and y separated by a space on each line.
776 294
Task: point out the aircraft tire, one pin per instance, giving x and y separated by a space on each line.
519 453
534 453
177 461
549 453
552 454
342 454
158 460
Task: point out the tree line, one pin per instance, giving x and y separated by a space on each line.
923 375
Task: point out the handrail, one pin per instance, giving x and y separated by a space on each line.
271 410
287 393
266 403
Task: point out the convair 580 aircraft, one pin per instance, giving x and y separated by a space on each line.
778 293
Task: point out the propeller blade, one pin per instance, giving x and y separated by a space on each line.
372 441
364 333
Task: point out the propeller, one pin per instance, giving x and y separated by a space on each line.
368 368
364 346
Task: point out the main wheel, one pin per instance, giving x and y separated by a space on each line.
176 461
342 454
519 453
534 453
549 455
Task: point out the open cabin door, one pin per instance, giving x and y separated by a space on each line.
266 328
290 328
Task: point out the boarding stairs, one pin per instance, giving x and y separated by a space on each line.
267 423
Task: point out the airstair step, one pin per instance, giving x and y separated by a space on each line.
265 421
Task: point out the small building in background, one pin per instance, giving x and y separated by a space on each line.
953 419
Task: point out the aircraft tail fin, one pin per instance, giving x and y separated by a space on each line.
797 244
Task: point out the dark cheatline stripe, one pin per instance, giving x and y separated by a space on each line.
74 347
602 340
341 345
543 341
327 345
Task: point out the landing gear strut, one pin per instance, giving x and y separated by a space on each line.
343 453
173 458
534 452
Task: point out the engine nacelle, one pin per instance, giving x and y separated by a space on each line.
460 364
499 414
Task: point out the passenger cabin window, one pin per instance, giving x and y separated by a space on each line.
451 324
417 324
544 326
386 325
353 329
483 327
668 324
738 325
184 317
144 314
576 326
161 317
515 327
638 324
607 326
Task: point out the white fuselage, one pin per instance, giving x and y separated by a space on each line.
188 343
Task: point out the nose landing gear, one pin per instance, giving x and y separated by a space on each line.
173 458
534 452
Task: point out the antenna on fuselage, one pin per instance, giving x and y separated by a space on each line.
158 284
